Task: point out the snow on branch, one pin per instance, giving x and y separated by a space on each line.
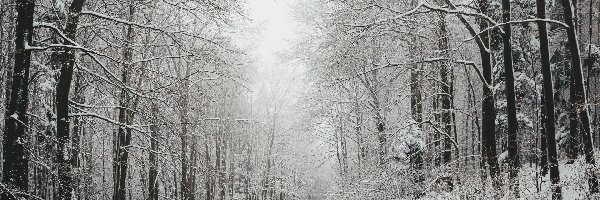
151 27
109 120
454 143
56 30
428 60
518 22
456 11
428 6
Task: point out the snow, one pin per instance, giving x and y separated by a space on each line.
593 49
502 157
47 85
573 180
406 141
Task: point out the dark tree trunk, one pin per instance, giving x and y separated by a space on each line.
187 192
125 118
488 110
543 141
81 182
548 102
63 88
416 105
445 96
513 145
209 180
15 170
580 100
573 138
153 172
416 109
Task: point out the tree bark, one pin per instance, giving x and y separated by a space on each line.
445 96
153 157
16 158
209 180
573 138
543 130
488 110
63 88
187 192
125 118
580 100
548 101
513 145
416 109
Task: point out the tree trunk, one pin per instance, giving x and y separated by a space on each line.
416 109
153 171
488 110
81 185
580 100
186 190
63 88
548 102
543 140
125 118
445 96
573 138
208 184
15 170
513 145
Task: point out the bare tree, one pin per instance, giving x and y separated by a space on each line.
15 170
549 114
579 91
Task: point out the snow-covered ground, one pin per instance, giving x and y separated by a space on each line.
572 176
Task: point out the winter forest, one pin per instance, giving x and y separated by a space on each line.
299 99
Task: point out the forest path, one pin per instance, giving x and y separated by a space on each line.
279 85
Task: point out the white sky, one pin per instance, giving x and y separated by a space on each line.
274 16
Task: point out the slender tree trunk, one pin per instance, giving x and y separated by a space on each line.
125 117
573 138
208 184
580 100
186 189
223 169
513 146
153 157
15 170
444 96
548 102
416 109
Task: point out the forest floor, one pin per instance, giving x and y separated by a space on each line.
573 181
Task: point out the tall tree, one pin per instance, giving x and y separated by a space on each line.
513 154
15 170
63 88
549 114
153 157
580 100
488 111
123 137
446 95
416 106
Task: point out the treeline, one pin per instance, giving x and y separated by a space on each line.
476 99
135 100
